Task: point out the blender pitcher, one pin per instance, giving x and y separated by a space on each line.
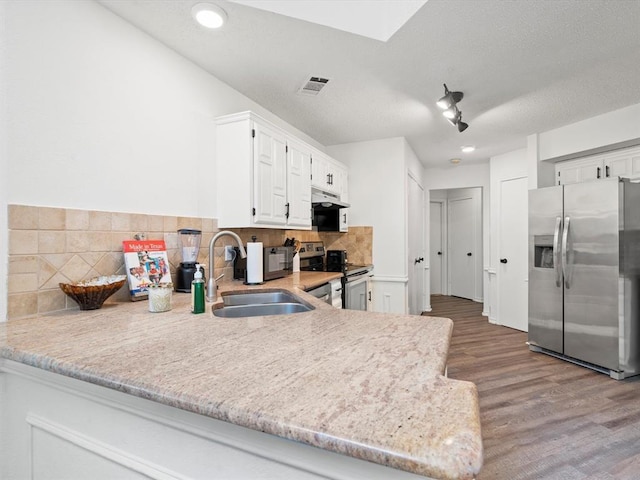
189 247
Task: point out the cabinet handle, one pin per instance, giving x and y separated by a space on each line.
344 216
287 212
598 172
369 295
328 179
606 171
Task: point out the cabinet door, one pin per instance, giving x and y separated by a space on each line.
344 219
617 166
335 178
579 171
320 172
298 185
343 176
270 176
623 164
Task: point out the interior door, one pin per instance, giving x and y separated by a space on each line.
436 252
462 243
512 252
415 259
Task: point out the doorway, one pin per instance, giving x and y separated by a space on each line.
513 269
415 258
455 243
437 254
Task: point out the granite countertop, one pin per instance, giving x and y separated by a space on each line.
364 384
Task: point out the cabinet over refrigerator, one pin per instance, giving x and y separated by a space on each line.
584 274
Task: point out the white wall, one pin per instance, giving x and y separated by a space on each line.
104 117
413 164
607 129
464 176
378 196
4 170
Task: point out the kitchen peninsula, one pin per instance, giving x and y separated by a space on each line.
177 395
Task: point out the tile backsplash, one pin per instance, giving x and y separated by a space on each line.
48 246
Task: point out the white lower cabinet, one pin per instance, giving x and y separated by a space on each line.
55 427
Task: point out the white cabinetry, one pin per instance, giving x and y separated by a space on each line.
298 184
270 175
618 163
264 175
328 175
344 220
58 427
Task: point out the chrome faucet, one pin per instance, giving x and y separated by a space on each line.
212 288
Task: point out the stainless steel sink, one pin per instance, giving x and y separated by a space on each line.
255 298
257 304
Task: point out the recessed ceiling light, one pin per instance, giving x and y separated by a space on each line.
209 15
468 148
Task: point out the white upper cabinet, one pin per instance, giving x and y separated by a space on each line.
270 176
329 175
617 163
264 175
575 171
298 185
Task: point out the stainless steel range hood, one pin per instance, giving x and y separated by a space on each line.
324 200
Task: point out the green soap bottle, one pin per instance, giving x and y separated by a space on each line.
197 292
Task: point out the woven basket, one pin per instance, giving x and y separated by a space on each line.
91 294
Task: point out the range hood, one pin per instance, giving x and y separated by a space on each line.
324 200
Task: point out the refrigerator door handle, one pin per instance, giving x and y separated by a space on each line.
565 263
556 252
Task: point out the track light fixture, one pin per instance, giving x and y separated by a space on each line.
461 125
449 103
450 98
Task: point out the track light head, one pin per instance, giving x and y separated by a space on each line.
448 103
450 113
450 99
453 115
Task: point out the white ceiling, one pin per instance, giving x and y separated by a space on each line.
377 19
524 66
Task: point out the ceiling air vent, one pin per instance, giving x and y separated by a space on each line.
313 86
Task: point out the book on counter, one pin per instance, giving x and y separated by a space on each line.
147 263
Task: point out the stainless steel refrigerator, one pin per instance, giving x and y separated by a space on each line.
584 272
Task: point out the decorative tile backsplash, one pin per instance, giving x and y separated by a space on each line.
48 246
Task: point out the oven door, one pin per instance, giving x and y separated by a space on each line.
356 291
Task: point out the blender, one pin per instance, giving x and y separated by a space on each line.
189 247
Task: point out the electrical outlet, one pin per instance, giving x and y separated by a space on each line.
228 253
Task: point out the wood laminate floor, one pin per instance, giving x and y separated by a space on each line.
542 418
